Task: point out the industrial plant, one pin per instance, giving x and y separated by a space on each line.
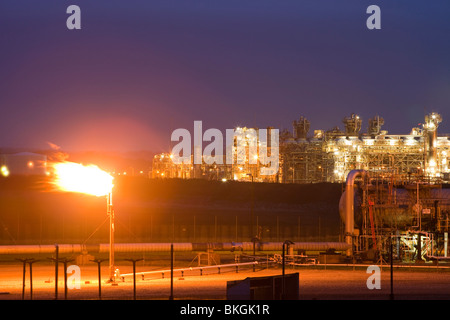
328 156
389 195
395 185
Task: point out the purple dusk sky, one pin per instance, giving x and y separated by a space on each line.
137 70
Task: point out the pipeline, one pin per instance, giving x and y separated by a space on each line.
40 249
165 247
349 207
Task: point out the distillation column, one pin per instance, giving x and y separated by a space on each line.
430 132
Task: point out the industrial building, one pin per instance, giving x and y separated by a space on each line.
328 156
245 164
396 199
396 185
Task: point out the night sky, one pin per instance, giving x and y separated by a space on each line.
137 70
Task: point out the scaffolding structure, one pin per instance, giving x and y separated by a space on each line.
414 214
243 163
327 156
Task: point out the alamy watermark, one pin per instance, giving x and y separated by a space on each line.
242 146
74 277
73 22
374 280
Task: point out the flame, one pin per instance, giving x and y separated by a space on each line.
75 177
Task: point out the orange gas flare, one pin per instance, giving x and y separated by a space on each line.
75 177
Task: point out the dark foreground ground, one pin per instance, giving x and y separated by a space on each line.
316 283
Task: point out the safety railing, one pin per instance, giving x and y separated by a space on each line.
182 271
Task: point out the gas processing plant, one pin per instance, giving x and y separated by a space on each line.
328 156
394 185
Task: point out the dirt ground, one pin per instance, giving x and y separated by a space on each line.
315 284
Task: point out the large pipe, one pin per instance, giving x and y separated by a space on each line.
306 246
166 247
349 207
40 249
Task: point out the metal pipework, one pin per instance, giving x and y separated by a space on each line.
40 249
166 247
224 246
349 208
